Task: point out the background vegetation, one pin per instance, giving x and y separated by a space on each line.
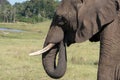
31 11
16 64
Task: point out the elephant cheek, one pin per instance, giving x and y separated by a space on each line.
55 35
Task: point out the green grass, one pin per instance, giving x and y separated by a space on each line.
15 64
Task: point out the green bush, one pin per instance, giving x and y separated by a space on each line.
33 19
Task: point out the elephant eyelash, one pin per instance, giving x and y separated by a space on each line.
61 20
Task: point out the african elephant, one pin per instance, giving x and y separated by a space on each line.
76 21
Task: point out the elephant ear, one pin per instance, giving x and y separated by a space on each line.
93 16
118 4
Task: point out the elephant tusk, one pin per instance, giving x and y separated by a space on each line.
48 47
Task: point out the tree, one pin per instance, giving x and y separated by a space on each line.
28 11
5 11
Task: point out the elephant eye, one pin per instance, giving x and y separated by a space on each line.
59 17
61 20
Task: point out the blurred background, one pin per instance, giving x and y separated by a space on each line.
30 11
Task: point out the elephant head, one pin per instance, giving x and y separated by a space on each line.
74 22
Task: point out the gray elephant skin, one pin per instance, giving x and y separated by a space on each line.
76 21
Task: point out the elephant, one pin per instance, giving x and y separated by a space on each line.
76 21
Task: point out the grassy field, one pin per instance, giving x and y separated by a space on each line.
15 64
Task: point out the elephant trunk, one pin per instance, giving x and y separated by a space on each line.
49 61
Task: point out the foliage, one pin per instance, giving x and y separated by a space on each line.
32 11
6 11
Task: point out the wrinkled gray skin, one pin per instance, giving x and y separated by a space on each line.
76 21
